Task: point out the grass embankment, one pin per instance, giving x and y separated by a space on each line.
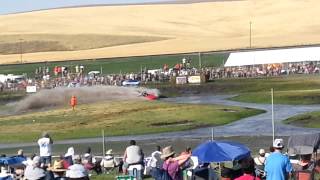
295 89
6 97
117 118
31 43
117 65
310 120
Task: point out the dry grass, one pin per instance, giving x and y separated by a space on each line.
191 27
57 42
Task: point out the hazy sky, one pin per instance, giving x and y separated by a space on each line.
13 6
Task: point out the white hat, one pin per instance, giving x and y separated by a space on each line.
36 160
262 151
109 152
278 143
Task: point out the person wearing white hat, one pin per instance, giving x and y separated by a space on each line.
278 166
34 171
108 162
77 170
260 162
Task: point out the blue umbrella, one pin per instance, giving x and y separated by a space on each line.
220 151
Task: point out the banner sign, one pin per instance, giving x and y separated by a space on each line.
194 79
31 89
181 80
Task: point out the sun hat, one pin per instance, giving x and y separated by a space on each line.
70 152
36 160
57 166
167 152
86 155
262 151
109 152
278 143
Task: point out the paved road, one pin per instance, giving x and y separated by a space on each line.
251 126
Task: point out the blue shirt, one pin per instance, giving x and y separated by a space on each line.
277 166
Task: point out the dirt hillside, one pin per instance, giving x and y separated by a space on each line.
113 31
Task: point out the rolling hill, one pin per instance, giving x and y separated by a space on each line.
135 30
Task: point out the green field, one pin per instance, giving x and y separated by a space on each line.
117 118
117 65
6 97
296 89
309 120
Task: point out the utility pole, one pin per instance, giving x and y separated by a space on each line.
250 36
199 54
272 114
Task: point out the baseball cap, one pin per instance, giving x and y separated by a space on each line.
278 143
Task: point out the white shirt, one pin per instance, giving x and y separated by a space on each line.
45 146
134 154
76 171
155 160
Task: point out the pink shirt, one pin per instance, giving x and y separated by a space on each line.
173 169
247 177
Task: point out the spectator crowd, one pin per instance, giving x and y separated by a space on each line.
163 163
78 76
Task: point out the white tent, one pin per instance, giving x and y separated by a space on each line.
274 56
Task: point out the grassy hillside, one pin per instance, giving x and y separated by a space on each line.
117 118
117 65
182 28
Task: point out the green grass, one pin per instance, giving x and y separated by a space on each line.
117 65
11 96
117 118
310 120
299 89
294 97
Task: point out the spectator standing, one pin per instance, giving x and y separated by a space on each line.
170 164
259 162
278 166
155 162
45 145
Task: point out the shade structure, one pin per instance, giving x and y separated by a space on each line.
303 143
11 161
220 151
274 56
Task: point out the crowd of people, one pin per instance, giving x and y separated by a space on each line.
163 163
78 76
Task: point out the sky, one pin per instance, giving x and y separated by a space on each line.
15 6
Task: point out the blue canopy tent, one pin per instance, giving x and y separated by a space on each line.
11 161
220 151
